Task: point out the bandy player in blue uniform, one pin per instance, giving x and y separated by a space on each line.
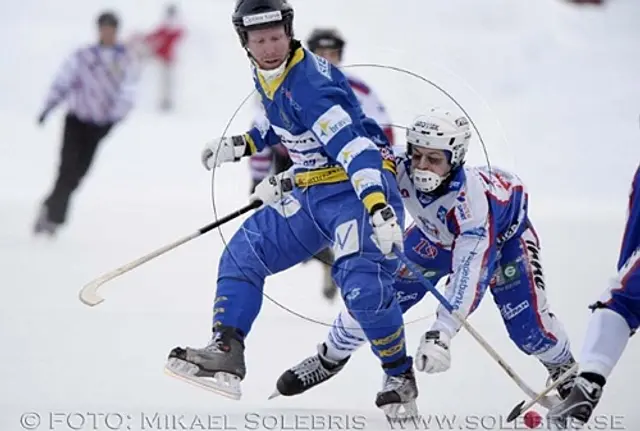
616 316
472 227
345 196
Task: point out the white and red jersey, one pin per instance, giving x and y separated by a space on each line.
261 163
481 209
162 41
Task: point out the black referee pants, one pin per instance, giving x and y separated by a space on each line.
79 144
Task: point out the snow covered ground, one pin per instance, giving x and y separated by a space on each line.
552 88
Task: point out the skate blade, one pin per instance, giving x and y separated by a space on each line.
275 394
401 412
224 384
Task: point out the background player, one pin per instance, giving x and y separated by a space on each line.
616 316
346 194
329 44
161 44
472 227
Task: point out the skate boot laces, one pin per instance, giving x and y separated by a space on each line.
311 371
393 383
217 345
555 371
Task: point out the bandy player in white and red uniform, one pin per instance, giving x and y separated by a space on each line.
329 44
161 44
472 229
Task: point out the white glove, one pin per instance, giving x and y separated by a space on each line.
386 230
223 150
433 355
273 188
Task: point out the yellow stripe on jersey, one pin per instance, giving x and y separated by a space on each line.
331 175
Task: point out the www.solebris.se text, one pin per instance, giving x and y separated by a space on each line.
114 421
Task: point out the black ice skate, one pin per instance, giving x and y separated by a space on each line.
309 373
218 367
576 409
43 225
398 396
555 371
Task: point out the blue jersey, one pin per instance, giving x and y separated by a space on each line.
631 236
312 110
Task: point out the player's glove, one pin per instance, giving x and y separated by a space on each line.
386 229
273 188
223 150
433 355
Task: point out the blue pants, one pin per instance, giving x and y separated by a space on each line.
278 237
623 295
517 286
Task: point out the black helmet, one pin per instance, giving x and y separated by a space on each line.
107 18
257 14
328 38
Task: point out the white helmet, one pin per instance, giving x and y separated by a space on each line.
438 130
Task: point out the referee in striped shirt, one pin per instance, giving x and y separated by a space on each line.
97 82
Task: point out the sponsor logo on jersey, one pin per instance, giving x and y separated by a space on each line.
463 279
402 297
331 122
463 211
289 96
479 232
322 66
285 120
442 214
506 236
508 312
431 228
536 265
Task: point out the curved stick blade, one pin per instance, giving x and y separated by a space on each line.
515 412
89 293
